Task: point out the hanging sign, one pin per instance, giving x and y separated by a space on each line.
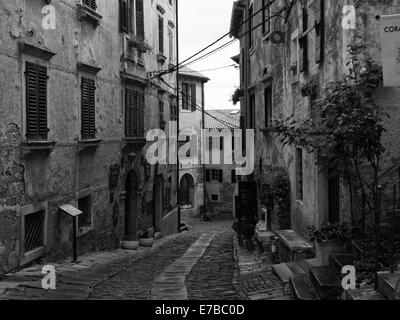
390 38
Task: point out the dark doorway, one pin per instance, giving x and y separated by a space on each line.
186 190
334 198
131 206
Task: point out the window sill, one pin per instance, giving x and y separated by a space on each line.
84 145
89 15
29 147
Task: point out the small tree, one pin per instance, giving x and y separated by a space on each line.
347 132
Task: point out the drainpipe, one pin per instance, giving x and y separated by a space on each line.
202 148
178 114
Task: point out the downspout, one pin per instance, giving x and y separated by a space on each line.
178 115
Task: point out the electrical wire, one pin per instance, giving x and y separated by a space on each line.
173 68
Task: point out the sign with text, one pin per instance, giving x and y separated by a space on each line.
390 37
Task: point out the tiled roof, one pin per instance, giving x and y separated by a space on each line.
222 119
187 72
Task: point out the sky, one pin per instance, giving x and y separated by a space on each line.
200 24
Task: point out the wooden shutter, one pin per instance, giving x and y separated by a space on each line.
123 15
88 108
208 175
161 34
302 41
319 29
36 102
193 97
134 114
140 19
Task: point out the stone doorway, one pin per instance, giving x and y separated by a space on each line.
131 207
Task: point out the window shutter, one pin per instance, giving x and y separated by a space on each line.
161 34
207 175
194 98
88 108
221 176
36 101
140 19
233 173
319 28
302 41
123 15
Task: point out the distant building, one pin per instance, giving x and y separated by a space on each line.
221 179
191 195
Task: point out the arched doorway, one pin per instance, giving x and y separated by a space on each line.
186 190
131 206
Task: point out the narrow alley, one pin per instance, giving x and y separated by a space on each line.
204 263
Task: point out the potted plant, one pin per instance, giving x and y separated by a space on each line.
330 238
146 238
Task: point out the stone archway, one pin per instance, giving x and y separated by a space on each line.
131 206
187 190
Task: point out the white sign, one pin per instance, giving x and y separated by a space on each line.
390 37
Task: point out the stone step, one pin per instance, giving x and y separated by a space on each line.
296 269
388 283
283 272
302 288
326 282
340 260
307 265
363 294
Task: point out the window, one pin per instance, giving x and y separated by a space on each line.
171 2
126 15
189 97
88 109
36 102
251 38
252 112
128 9
85 219
303 40
160 34
161 113
134 114
319 28
299 173
234 177
171 44
266 16
34 231
215 197
139 19
268 106
217 175
90 4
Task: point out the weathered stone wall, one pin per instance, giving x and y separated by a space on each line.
287 98
66 174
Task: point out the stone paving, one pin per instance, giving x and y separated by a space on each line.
205 263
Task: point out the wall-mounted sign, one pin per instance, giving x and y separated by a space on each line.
390 37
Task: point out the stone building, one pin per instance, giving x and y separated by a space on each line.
306 46
221 179
74 109
191 84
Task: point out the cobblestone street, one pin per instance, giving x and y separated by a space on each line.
204 263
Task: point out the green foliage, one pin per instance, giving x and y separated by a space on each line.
330 232
347 133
